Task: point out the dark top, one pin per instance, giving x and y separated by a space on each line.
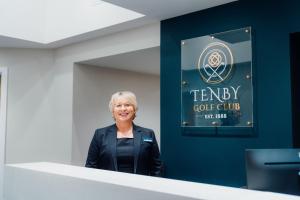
103 151
125 155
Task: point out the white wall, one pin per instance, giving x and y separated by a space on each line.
131 40
122 42
27 21
40 92
3 108
93 87
31 114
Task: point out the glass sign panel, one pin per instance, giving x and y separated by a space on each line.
216 75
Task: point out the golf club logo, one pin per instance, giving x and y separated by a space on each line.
215 63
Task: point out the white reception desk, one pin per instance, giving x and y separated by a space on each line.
52 181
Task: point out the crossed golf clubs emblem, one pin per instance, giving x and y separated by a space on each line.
214 66
215 61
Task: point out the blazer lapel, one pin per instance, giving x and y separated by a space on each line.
112 139
137 143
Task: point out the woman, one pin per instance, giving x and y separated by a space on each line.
124 146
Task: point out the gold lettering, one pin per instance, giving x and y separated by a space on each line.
219 106
237 106
202 107
225 106
195 108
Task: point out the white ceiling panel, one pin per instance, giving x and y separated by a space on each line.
164 9
144 61
55 23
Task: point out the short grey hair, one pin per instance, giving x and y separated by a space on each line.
130 96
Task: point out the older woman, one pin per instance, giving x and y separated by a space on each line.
123 146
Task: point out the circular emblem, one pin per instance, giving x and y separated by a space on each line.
215 63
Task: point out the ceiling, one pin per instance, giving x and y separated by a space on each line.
56 23
144 61
148 60
164 9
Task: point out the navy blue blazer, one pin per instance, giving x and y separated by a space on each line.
102 151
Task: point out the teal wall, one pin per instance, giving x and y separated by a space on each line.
220 160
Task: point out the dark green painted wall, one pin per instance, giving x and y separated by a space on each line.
220 160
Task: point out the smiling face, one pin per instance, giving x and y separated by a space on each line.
123 110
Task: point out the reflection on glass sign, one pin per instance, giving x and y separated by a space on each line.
216 73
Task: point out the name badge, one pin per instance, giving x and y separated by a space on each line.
147 139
